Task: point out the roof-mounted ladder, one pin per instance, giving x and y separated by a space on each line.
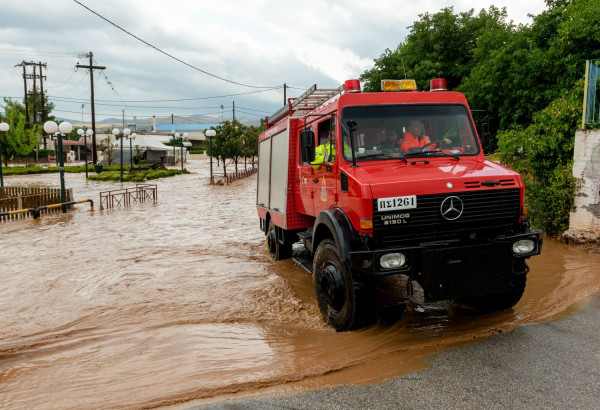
311 99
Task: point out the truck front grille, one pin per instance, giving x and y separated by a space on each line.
494 210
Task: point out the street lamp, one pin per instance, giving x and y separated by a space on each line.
133 136
88 133
125 133
64 128
80 132
184 136
3 127
210 135
175 136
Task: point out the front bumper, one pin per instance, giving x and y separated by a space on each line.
451 269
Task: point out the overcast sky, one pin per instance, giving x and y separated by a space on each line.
255 43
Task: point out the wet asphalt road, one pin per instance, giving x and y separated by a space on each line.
554 365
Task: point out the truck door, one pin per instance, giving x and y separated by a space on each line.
324 183
305 200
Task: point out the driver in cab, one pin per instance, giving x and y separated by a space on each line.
414 138
325 152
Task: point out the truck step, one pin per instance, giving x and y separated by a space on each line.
303 235
302 257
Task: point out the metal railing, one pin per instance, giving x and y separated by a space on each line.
37 212
128 196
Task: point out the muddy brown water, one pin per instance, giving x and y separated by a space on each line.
177 302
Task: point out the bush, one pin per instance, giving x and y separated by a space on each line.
543 154
136 176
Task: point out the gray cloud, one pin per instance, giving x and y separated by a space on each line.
257 42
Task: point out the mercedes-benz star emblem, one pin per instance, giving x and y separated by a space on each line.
451 208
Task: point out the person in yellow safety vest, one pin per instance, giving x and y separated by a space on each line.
326 153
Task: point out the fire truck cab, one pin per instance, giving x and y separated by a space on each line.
391 183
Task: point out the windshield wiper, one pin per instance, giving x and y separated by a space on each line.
381 156
435 151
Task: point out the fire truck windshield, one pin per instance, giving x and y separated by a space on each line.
392 131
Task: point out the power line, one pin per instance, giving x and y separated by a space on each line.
165 53
181 99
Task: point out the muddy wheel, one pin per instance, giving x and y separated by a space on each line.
501 301
277 250
345 302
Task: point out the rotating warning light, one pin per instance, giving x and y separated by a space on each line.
437 84
352 86
398 85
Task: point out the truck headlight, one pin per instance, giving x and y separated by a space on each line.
392 260
523 246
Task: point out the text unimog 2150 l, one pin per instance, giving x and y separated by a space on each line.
441 214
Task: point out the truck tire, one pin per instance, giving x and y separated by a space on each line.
345 302
500 301
277 250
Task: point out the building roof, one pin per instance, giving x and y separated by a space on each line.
185 127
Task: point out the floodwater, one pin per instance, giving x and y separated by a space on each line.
177 303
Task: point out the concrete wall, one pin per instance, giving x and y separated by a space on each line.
584 221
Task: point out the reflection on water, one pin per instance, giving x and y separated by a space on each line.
165 303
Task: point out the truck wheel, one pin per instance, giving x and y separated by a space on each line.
500 301
277 250
344 302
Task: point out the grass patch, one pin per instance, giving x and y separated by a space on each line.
142 176
32 169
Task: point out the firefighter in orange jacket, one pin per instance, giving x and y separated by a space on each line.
414 138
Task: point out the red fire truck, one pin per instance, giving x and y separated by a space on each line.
391 183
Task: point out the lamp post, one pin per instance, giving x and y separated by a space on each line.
131 151
116 133
175 136
80 132
3 127
64 128
88 133
210 135
126 134
184 136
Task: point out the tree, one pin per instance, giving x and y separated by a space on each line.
19 141
440 45
228 143
250 137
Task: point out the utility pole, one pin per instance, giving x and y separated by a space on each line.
31 117
284 93
42 93
92 67
234 111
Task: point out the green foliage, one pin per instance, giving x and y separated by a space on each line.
228 142
542 153
136 176
441 45
197 150
30 169
18 140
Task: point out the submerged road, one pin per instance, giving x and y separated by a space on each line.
553 365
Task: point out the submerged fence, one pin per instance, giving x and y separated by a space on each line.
229 178
127 196
17 198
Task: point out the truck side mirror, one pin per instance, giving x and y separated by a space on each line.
307 141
